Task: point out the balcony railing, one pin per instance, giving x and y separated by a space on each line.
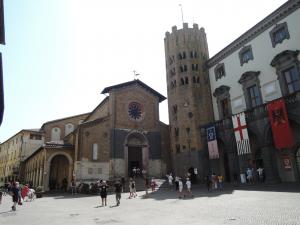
257 113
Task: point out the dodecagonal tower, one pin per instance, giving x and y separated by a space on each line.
189 98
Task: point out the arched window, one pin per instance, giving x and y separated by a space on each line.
68 128
55 134
95 151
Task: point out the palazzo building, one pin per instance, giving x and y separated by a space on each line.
260 66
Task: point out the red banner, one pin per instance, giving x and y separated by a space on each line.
282 133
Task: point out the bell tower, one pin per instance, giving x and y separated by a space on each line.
189 97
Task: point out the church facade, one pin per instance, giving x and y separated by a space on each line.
121 133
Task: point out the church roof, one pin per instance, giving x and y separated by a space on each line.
138 82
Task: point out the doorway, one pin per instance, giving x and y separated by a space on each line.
59 172
226 168
135 159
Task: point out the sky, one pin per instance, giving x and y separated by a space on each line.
60 54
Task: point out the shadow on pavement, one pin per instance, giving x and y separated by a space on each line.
200 191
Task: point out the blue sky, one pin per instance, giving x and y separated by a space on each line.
60 54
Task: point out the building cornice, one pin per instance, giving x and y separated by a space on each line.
283 11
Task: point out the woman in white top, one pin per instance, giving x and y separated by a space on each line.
180 187
188 187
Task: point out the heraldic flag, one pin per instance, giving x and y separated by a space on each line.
212 142
241 134
282 133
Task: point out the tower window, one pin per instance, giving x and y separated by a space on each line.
194 79
186 80
176 131
193 54
182 81
194 67
174 109
177 146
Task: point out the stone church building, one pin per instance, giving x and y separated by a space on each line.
121 133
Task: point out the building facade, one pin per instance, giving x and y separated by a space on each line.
15 150
121 133
257 68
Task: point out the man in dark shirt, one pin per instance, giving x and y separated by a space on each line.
118 190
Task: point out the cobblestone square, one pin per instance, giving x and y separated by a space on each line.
259 204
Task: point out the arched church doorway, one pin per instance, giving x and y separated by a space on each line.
136 153
226 167
59 172
135 159
298 160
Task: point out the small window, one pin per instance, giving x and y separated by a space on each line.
183 55
90 170
193 55
194 80
176 131
174 109
182 81
177 146
219 71
279 33
245 54
95 151
254 95
69 128
194 67
186 80
55 134
292 79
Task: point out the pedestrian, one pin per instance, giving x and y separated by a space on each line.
208 183
180 188
118 190
176 183
146 185
214 180
130 188
123 183
153 184
73 187
133 186
188 187
170 180
25 191
220 182
249 175
260 172
1 193
103 192
15 196
65 184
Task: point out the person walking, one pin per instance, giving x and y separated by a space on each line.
15 196
220 182
188 184
170 180
73 187
153 184
130 185
103 192
180 188
260 172
118 190
146 184
208 183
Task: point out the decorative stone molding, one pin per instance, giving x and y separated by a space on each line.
243 51
277 28
282 62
